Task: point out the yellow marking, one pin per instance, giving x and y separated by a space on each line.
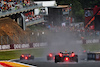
14 64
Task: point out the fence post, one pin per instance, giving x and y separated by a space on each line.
30 38
1 39
19 39
13 39
7 39
25 38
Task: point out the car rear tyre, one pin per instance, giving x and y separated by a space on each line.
48 58
21 58
32 57
55 61
77 60
56 58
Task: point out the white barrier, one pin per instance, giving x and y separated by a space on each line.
22 46
4 47
36 45
88 41
25 46
17 46
92 41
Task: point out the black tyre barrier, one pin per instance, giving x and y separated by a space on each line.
93 56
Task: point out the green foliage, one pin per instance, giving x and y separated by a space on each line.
15 54
92 46
77 11
36 27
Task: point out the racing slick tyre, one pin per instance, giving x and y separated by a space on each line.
56 61
48 58
57 58
21 58
76 58
32 57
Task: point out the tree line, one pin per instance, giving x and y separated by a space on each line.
78 7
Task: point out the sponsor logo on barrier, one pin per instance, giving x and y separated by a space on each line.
36 45
92 41
97 56
95 40
25 46
0 47
43 44
5 47
17 46
79 41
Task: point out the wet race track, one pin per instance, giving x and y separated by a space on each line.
60 41
41 62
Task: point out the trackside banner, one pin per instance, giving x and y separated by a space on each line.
22 46
88 41
3 47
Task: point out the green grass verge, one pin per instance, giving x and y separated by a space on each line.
14 54
92 47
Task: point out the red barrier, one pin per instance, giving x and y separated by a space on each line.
11 46
97 57
5 65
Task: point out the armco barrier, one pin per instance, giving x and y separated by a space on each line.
22 46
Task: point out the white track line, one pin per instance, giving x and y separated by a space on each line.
20 63
24 64
1 66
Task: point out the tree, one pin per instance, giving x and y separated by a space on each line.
77 11
78 7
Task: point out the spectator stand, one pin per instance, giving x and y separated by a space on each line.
15 5
29 17
84 33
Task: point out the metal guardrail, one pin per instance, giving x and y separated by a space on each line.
35 22
7 13
65 13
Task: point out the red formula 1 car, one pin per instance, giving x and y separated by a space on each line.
66 57
51 56
26 57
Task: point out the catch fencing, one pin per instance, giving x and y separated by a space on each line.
20 39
